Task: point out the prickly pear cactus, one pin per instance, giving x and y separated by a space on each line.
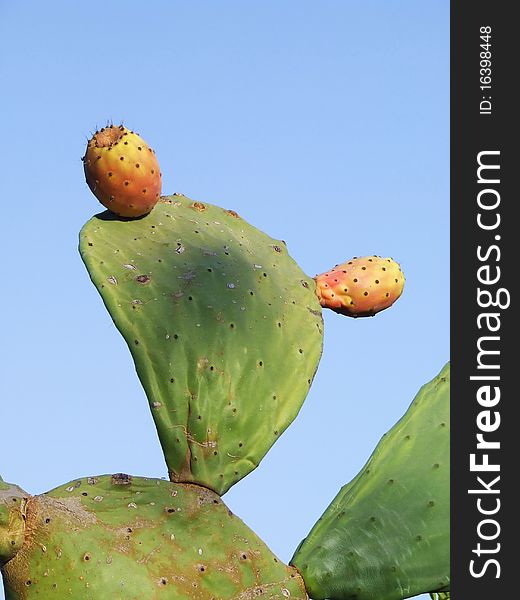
131 538
225 330
386 534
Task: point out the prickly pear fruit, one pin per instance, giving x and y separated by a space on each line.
131 538
225 330
122 171
386 534
13 501
360 287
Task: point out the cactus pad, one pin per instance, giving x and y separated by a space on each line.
386 534
130 538
225 330
13 501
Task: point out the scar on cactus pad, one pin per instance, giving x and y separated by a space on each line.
361 287
122 171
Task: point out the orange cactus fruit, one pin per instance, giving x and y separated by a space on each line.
122 171
361 287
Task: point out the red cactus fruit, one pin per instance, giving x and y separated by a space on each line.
360 287
122 171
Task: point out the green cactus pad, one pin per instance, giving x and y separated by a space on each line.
128 538
13 502
225 330
386 534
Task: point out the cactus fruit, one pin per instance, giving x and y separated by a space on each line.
360 287
13 501
386 534
130 538
224 328
122 171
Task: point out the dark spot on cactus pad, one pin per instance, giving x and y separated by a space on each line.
143 279
137 165
355 280
436 466
233 214
377 280
87 556
277 248
431 503
163 581
28 583
121 479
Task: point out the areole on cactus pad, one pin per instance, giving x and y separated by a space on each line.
225 330
133 538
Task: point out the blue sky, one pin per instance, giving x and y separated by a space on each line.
324 124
